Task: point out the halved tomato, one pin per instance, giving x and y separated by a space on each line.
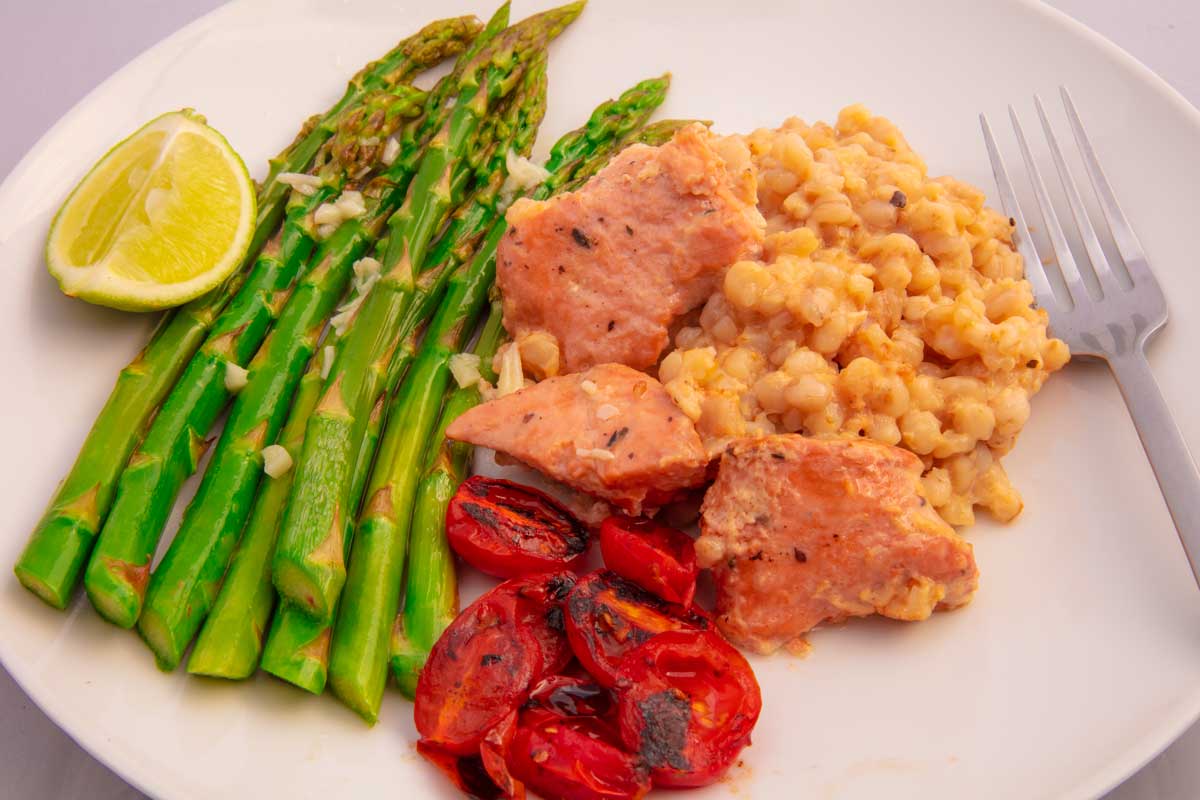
607 616
686 703
506 529
574 758
660 559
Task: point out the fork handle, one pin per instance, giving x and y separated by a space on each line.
1165 448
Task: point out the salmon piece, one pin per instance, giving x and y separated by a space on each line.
801 531
606 269
611 432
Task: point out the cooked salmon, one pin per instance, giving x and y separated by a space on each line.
606 269
611 432
801 531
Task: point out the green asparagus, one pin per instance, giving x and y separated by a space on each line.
431 591
214 520
118 570
231 640
183 586
182 589
55 555
309 567
297 648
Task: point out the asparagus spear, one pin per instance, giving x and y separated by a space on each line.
59 546
231 641
309 566
358 665
297 648
431 592
375 334
117 572
183 587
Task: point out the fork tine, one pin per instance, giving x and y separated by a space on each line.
1091 242
1058 240
1122 232
1035 272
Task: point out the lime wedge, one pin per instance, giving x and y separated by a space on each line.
165 216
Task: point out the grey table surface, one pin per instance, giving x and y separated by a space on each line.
57 41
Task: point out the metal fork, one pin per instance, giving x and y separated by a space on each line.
1114 323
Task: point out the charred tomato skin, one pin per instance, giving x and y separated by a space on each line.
574 758
687 702
607 616
508 530
660 559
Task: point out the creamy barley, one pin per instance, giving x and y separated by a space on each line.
888 304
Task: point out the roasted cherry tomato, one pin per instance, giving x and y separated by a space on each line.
571 696
660 559
607 616
478 672
574 758
687 701
465 772
506 529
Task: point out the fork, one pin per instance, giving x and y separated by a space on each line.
1113 321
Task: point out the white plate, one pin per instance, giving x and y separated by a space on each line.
1079 660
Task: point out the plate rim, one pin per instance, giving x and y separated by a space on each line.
155 783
